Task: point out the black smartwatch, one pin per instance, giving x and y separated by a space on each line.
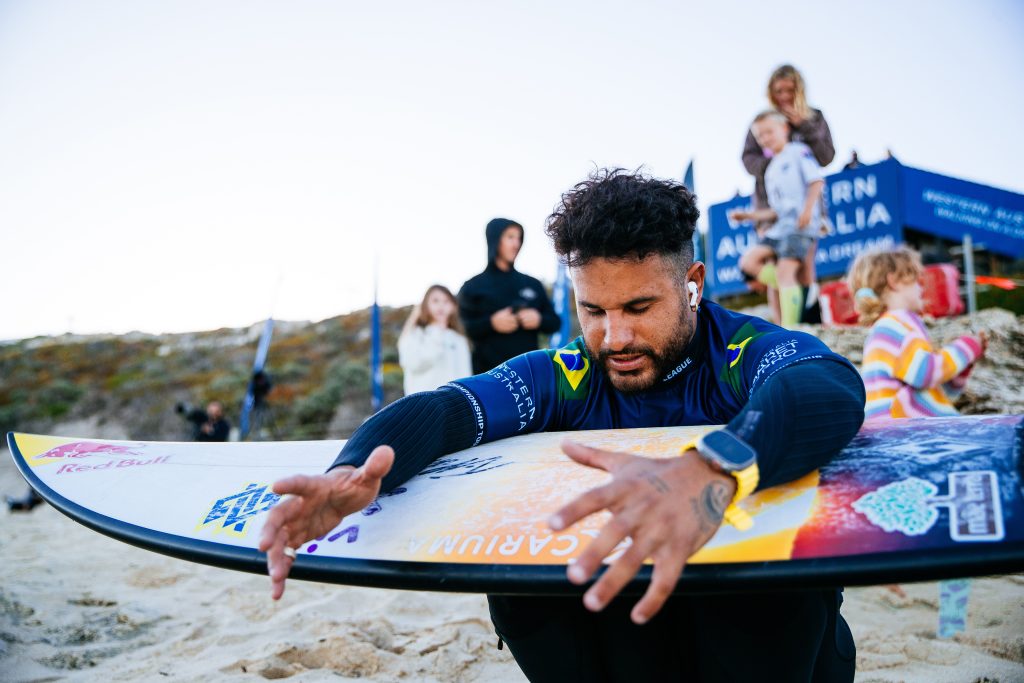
729 454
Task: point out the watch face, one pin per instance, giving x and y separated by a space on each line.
728 450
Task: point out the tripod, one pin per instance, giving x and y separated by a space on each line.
263 421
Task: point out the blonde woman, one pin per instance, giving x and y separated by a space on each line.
787 94
432 349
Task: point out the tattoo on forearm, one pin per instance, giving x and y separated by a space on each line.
709 507
658 483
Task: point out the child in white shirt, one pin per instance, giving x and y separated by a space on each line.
794 184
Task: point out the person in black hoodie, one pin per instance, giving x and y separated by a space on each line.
502 309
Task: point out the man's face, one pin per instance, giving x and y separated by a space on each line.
510 243
636 319
214 411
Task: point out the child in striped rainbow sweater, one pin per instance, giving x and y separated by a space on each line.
903 375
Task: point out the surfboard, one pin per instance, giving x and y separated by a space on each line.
915 499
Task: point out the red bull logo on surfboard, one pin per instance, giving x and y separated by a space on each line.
82 449
111 464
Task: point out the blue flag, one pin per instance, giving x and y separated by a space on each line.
560 296
698 238
376 366
257 366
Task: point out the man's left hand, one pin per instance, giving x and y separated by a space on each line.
668 507
529 318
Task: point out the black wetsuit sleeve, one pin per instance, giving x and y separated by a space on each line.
420 428
801 417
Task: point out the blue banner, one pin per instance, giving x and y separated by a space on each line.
864 211
951 208
263 348
560 300
726 242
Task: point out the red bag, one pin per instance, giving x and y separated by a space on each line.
941 283
837 305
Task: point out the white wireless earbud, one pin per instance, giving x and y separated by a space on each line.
693 293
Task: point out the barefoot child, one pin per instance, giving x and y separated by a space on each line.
903 375
794 185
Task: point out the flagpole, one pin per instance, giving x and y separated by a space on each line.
262 350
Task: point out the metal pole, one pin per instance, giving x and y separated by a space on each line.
972 301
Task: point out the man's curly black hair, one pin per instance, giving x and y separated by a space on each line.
615 214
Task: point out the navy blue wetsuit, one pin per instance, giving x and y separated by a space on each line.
783 392
729 358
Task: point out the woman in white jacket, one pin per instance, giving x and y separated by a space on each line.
432 349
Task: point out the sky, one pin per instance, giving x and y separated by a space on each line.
181 166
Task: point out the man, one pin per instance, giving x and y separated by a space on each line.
216 427
208 425
651 354
502 309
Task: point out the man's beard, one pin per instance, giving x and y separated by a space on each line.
663 363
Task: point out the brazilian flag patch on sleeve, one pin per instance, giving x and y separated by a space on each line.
573 371
732 370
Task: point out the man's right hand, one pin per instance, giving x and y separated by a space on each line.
313 505
505 321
